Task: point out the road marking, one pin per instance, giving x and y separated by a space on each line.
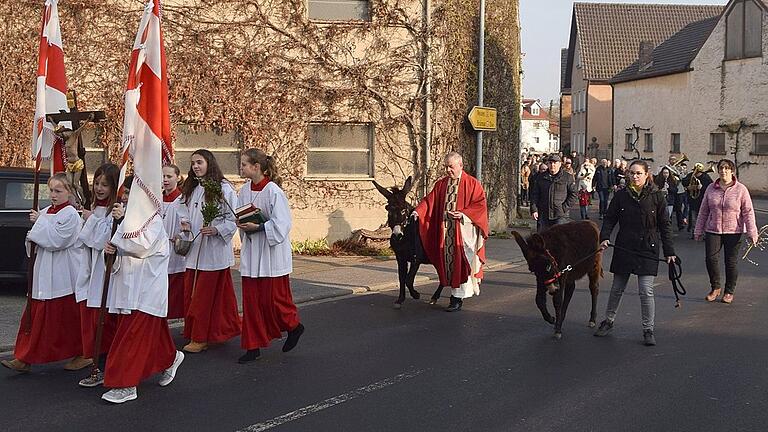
759 210
330 402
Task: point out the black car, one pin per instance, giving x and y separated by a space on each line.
16 199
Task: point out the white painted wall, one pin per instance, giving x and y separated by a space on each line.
530 130
695 103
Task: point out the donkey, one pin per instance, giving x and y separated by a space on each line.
405 240
559 257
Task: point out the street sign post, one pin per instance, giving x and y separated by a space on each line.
483 118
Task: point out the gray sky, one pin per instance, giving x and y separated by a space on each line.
546 26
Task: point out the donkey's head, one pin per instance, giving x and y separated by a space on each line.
540 261
398 209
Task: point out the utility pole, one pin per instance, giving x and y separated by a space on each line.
480 76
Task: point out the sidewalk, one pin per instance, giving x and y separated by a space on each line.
317 278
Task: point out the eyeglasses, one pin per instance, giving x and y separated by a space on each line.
636 173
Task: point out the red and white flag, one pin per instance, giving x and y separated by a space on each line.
51 92
146 126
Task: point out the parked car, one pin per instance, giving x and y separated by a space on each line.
16 199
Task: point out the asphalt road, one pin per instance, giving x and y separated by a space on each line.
362 365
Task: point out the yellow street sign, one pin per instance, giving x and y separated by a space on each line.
483 118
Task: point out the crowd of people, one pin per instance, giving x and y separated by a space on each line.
154 279
644 207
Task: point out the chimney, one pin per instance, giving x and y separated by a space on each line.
645 55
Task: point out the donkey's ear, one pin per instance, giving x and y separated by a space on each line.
521 242
408 184
387 194
536 242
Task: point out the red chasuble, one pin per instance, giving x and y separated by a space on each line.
431 211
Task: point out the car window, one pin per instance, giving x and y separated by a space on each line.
18 195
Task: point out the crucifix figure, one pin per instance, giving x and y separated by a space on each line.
73 143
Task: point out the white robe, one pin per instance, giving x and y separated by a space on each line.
57 260
472 241
90 241
172 224
217 254
267 253
140 276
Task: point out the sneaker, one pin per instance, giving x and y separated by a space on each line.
727 299
120 395
249 356
92 380
604 328
195 347
293 338
648 339
170 373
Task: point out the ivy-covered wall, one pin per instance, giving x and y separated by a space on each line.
261 70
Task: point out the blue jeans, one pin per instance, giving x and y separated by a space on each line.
604 195
583 210
647 302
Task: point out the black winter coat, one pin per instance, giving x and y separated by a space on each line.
603 178
553 195
643 226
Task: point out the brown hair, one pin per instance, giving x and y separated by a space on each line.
727 162
266 163
213 172
111 173
646 168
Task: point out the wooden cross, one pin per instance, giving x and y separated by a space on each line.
75 117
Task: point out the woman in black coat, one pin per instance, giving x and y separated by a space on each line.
640 211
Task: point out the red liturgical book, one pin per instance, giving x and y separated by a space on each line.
250 213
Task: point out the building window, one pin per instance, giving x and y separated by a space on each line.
648 142
339 10
536 139
744 30
674 143
628 141
534 110
761 143
717 143
340 150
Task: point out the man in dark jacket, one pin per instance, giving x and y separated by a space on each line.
695 192
553 195
603 183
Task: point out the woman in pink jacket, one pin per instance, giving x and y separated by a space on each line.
726 213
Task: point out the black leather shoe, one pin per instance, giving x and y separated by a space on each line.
455 305
249 356
293 338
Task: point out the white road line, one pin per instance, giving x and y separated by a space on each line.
330 402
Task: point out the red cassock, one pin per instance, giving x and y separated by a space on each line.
142 347
431 210
177 304
212 314
89 321
55 333
268 310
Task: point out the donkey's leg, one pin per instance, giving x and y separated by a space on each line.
402 274
570 287
541 302
411 277
594 284
437 294
557 301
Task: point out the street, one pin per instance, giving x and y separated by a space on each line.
491 367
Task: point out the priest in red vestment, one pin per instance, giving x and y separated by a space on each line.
453 226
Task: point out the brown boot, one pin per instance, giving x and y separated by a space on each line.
728 298
713 295
78 363
195 347
17 365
